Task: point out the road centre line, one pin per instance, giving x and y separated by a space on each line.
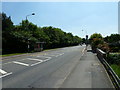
21 63
2 71
5 75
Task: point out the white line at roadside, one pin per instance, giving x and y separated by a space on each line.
20 63
6 75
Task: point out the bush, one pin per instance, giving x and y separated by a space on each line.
104 47
113 58
114 47
95 42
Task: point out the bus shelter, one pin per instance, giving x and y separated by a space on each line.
39 46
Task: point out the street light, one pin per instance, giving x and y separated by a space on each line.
26 29
86 36
30 15
85 31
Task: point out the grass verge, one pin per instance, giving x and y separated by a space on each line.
11 54
116 68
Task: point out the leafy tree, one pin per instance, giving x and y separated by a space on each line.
17 37
112 38
95 40
83 40
114 42
7 27
96 35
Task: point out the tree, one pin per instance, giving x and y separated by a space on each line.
112 38
17 37
114 42
95 40
96 35
7 27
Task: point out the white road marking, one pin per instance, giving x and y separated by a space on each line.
52 55
44 56
47 59
2 71
12 62
83 50
36 63
7 63
35 59
59 55
21 63
40 61
6 75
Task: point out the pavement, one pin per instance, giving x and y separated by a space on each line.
88 73
70 67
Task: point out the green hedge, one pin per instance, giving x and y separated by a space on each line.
113 58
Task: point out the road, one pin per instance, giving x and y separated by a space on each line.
70 67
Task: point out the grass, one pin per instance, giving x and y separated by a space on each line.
11 54
116 68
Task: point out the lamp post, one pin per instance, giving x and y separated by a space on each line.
30 15
26 28
86 37
85 31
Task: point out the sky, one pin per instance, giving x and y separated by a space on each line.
79 18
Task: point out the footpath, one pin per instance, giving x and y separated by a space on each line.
88 73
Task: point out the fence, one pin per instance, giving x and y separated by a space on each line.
102 57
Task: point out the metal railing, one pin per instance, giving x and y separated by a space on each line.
114 78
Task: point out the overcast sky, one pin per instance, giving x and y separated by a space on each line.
91 17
